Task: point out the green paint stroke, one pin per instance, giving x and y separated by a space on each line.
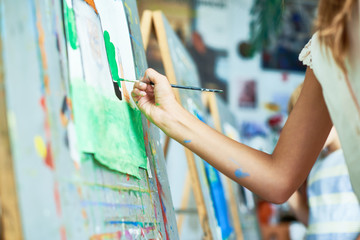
213 178
70 26
111 56
109 129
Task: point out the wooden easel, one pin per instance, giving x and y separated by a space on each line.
10 223
152 22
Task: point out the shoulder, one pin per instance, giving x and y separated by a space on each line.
306 55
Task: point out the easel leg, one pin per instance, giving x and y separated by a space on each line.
166 145
184 201
234 211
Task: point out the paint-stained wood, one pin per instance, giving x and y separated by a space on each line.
10 215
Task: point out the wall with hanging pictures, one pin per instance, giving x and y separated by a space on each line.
261 85
257 88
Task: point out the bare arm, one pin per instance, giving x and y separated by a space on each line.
299 205
273 177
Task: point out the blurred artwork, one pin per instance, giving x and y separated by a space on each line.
297 25
206 59
247 94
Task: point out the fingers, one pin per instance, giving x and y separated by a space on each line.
153 76
137 94
140 85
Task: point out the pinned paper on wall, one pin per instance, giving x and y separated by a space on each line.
107 123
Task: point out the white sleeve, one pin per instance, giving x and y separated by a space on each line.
305 55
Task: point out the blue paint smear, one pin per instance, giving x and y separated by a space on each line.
187 141
136 224
218 197
240 174
104 204
136 41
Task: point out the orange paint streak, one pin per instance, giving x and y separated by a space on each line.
69 103
63 119
92 4
46 82
146 138
84 214
115 235
57 199
125 92
42 103
41 39
63 233
79 190
49 161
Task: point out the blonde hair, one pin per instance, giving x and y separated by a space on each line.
294 97
332 26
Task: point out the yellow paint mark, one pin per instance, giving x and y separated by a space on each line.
272 107
40 146
130 13
153 148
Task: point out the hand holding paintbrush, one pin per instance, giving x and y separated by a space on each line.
155 98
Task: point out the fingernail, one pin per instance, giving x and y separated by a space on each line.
142 84
143 93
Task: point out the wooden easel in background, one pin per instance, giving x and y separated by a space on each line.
210 101
152 22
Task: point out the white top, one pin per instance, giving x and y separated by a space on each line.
342 99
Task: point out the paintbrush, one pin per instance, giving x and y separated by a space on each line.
179 86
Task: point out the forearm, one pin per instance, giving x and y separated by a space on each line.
251 168
300 207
